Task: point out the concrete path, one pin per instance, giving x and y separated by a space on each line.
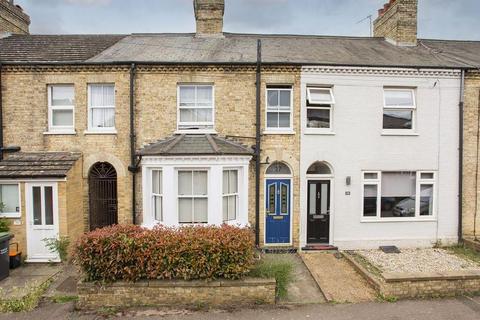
64 283
23 278
337 279
303 289
445 309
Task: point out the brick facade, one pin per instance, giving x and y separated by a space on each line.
26 115
13 19
397 22
471 187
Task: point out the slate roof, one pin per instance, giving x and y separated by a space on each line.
54 48
37 164
294 49
238 48
194 144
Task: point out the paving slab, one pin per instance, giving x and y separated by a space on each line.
23 278
337 279
303 289
65 282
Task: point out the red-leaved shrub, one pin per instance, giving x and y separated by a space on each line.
132 253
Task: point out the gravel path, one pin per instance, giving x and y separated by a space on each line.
418 260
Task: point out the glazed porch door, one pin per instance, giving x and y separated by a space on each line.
42 220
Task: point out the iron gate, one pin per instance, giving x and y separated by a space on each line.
102 182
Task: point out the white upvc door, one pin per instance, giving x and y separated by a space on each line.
42 220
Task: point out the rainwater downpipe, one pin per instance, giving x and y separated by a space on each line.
133 168
476 173
460 156
257 142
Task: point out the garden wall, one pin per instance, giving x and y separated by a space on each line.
420 285
177 292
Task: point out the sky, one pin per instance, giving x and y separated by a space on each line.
438 19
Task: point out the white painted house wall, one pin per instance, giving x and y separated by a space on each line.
356 144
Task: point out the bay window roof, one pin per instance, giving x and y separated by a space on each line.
195 144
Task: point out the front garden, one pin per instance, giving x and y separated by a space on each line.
132 266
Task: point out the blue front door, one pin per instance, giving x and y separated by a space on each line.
277 209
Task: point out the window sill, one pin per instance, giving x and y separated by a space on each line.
287 132
309 131
15 215
90 132
54 133
400 133
386 220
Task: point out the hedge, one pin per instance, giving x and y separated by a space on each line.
132 253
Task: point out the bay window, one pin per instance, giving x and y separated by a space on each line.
279 109
61 105
399 109
195 107
320 102
9 200
157 195
101 107
193 196
230 194
398 194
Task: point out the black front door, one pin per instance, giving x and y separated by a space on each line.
318 223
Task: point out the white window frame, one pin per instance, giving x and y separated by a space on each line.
90 108
192 196
153 195
418 182
13 214
318 105
412 108
277 130
51 108
236 195
193 124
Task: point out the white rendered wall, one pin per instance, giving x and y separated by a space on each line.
358 144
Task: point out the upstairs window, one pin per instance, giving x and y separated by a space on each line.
320 102
279 109
195 107
61 105
399 109
101 107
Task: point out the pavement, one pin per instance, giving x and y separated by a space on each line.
461 308
337 279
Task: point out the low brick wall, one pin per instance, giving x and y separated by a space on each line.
166 293
420 285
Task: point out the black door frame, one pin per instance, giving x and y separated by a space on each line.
102 179
318 179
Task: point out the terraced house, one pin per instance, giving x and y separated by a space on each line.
311 140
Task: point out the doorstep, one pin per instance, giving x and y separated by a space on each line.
319 247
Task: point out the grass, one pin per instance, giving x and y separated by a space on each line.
279 267
64 299
27 302
464 252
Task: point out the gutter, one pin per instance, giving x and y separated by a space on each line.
258 142
226 63
133 167
460 156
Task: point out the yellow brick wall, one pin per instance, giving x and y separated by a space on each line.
398 23
25 112
471 178
74 202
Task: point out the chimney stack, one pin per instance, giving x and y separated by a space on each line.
397 22
12 18
209 17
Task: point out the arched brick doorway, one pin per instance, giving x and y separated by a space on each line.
102 191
